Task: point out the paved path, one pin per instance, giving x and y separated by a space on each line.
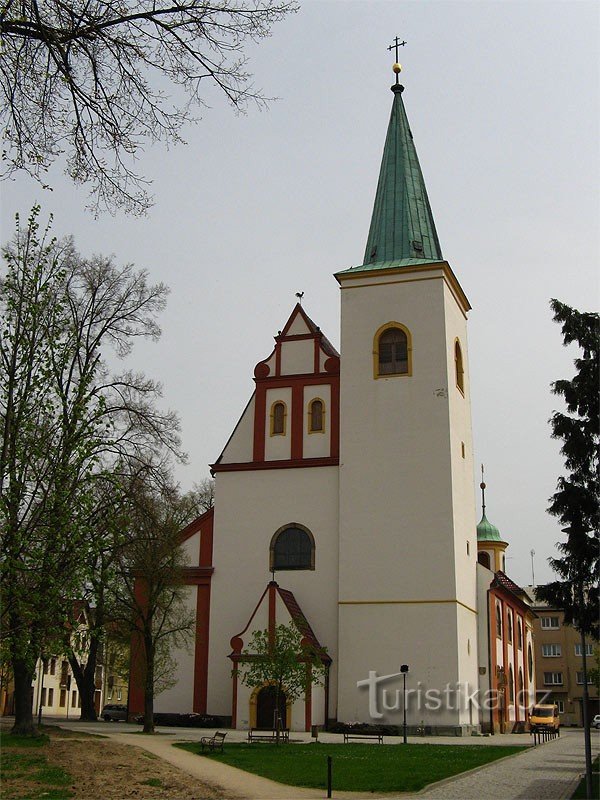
548 772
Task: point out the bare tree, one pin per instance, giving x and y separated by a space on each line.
65 420
85 79
199 500
149 595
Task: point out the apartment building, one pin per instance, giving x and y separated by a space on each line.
559 663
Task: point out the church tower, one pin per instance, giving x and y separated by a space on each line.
407 548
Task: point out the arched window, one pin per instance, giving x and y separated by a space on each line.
292 547
392 350
459 367
509 626
519 635
278 416
529 662
498 621
511 684
520 681
316 416
484 559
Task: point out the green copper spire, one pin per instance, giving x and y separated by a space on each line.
486 532
402 227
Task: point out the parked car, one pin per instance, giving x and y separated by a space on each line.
596 721
114 713
182 720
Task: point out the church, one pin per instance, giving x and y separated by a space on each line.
345 505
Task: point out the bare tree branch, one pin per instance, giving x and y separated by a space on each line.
82 80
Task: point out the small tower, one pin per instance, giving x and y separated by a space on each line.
490 545
407 508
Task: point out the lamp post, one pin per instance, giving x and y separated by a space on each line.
404 670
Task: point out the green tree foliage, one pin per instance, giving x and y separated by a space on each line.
575 502
284 660
65 420
90 80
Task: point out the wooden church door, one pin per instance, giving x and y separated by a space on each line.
266 708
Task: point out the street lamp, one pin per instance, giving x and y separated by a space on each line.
404 670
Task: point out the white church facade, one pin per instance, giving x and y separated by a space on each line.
345 505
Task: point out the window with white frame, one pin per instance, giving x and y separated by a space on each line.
551 650
561 706
549 623
589 650
579 678
553 678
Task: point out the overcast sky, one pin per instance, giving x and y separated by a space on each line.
503 101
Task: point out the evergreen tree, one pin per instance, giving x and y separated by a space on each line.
575 501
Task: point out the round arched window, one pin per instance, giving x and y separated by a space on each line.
292 547
393 352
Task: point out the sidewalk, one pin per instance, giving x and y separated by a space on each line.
548 772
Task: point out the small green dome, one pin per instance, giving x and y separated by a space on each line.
486 532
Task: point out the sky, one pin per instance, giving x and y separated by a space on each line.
503 99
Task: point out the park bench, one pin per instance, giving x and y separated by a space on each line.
378 736
213 742
256 735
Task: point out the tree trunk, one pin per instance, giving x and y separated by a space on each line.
587 728
23 676
149 685
85 677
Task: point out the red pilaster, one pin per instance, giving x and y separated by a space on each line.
135 703
308 699
234 697
260 411
201 649
517 666
272 612
297 419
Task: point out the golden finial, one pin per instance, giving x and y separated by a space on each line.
397 68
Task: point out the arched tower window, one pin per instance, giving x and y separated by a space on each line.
519 635
529 662
484 559
278 418
292 547
509 627
392 350
498 621
316 416
459 367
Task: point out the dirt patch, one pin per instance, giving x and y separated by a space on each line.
103 770
107 771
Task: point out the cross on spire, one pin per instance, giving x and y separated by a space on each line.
482 486
396 44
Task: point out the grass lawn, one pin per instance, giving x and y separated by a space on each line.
357 767
25 767
580 791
